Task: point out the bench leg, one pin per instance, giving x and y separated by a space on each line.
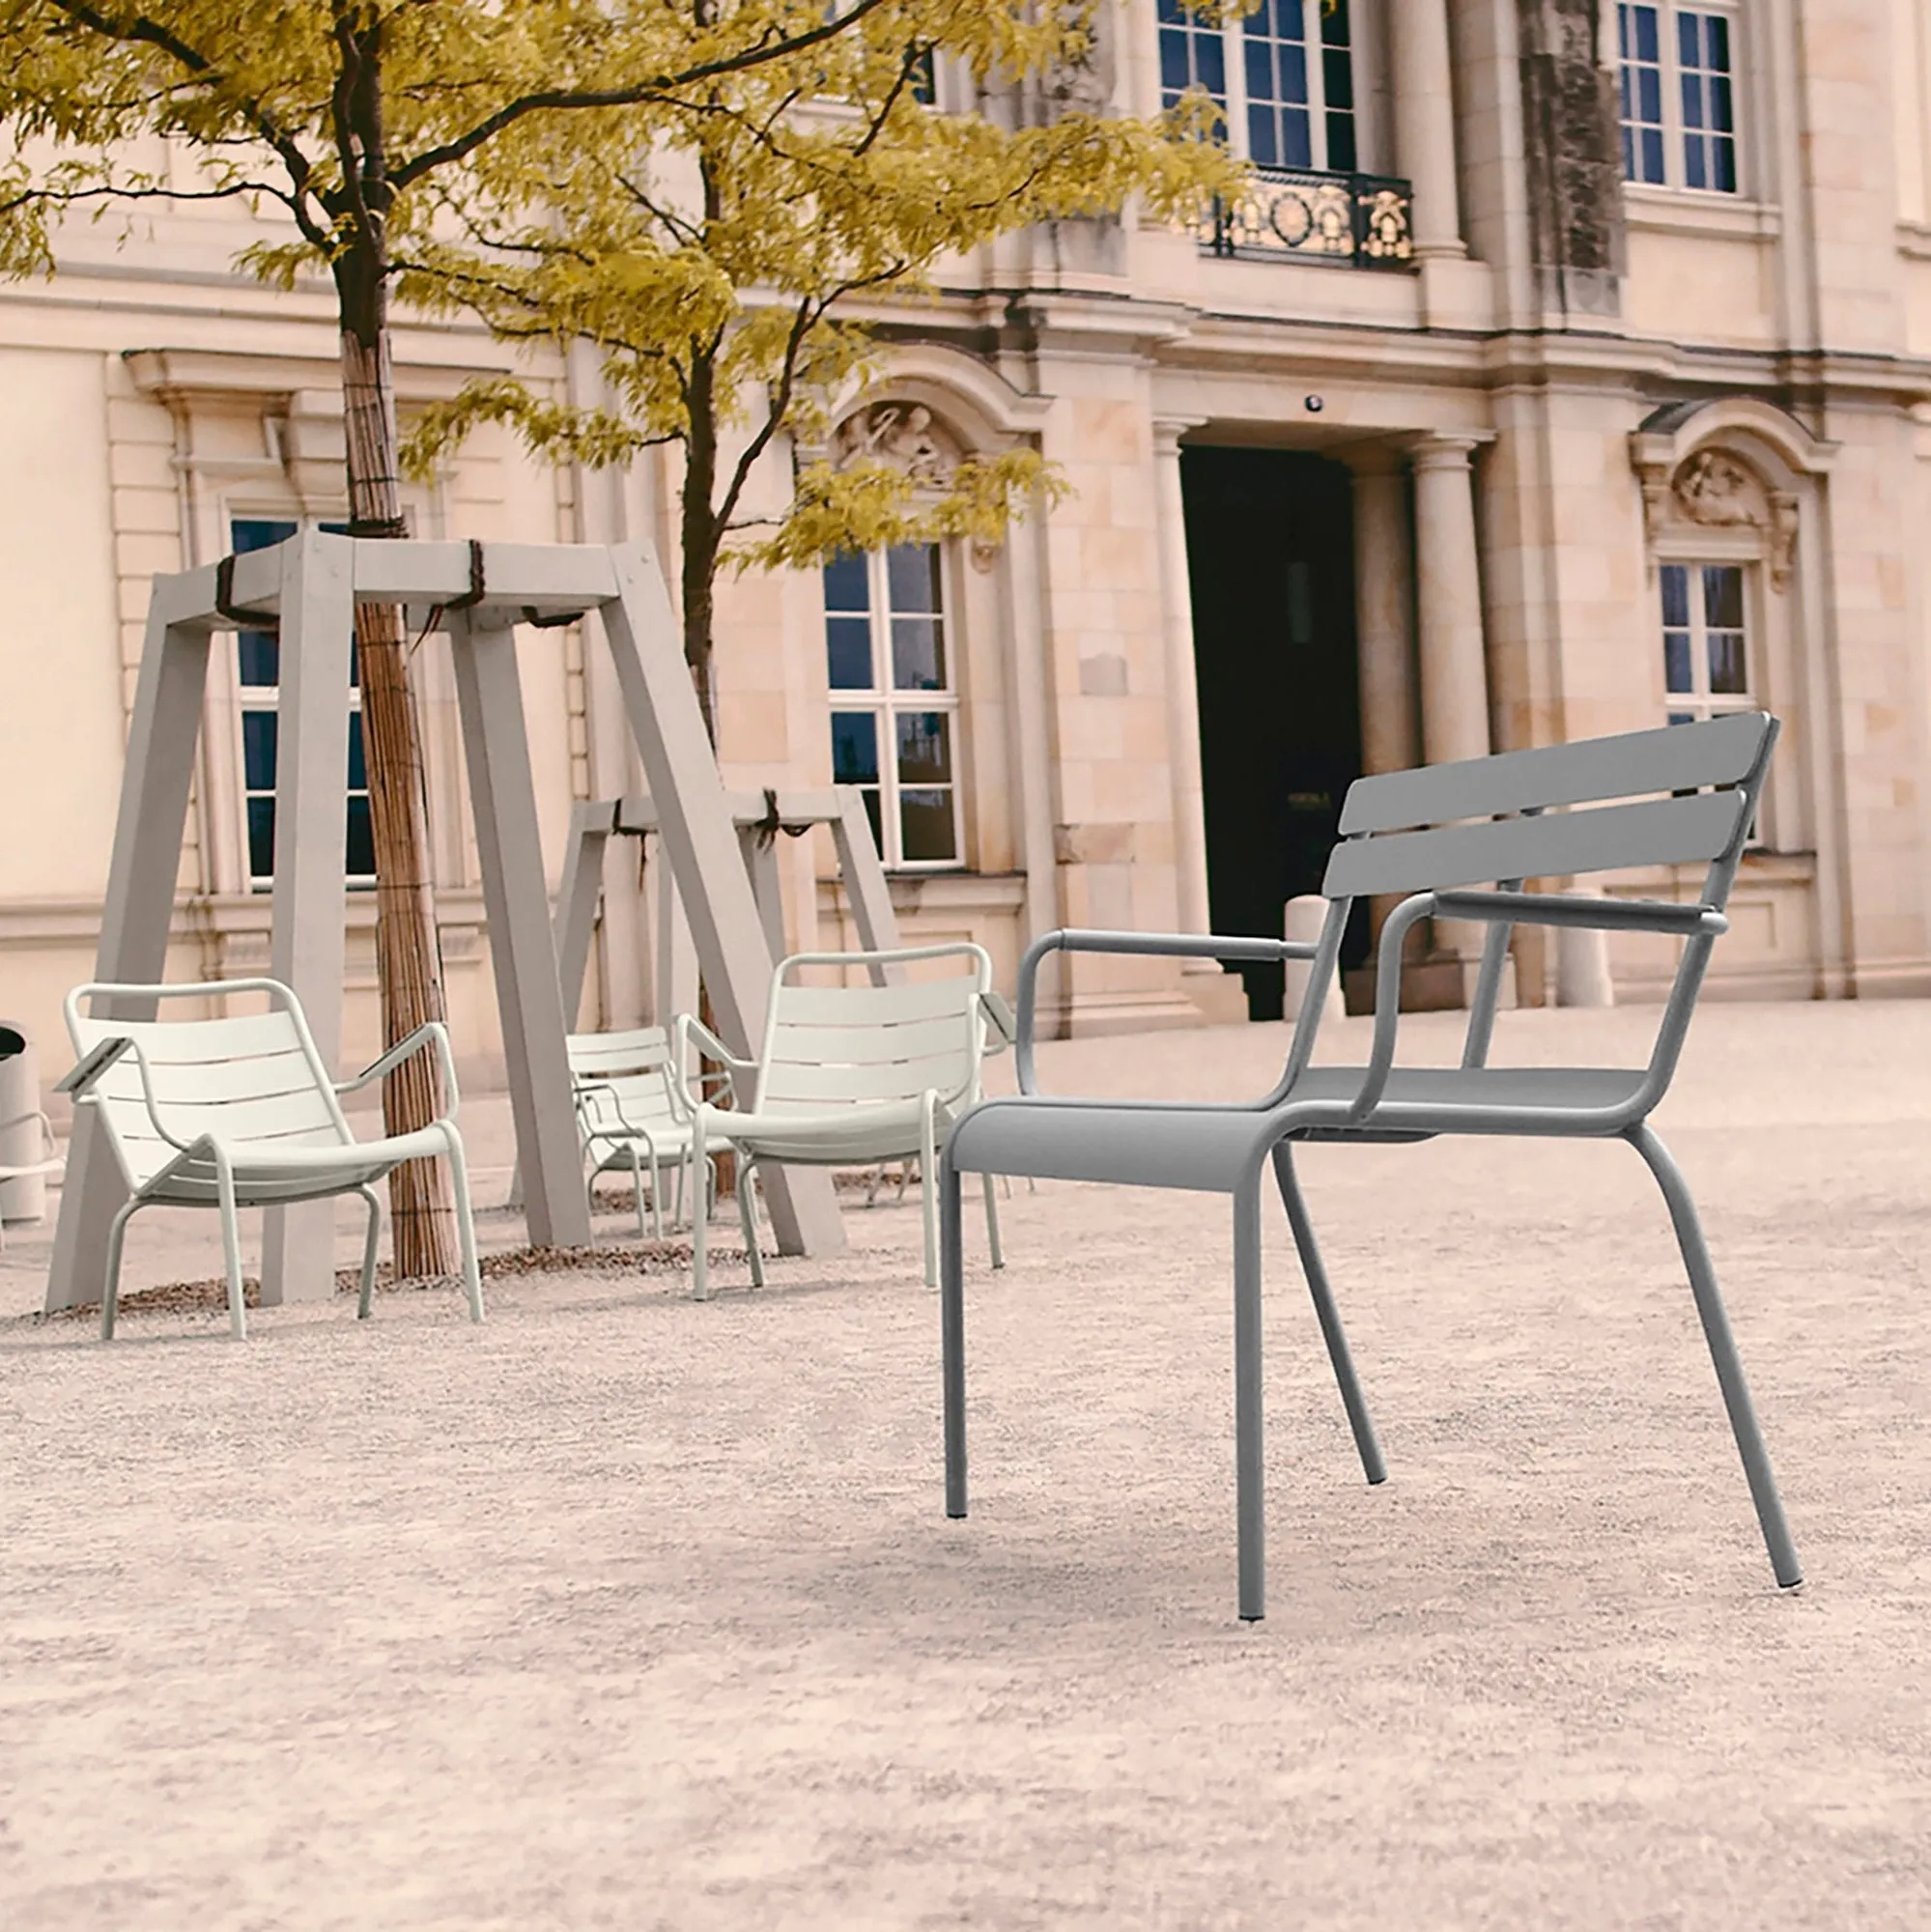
1332 1332
1724 1353
952 1324
371 1247
1249 1486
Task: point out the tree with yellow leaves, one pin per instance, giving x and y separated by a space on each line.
733 276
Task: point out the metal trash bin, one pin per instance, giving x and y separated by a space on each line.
22 1143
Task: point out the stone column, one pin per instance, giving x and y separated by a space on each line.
1424 123
1182 692
1448 604
1385 611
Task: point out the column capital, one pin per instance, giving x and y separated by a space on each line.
1169 429
1448 449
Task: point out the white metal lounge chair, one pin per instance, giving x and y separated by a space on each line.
631 1115
1431 835
242 1112
848 1077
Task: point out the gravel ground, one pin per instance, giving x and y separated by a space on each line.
622 1610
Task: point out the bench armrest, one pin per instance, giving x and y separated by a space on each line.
1575 909
1158 945
428 1030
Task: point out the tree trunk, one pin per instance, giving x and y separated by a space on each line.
408 958
699 535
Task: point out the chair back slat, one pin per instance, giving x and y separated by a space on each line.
839 1045
1655 832
248 1080
1672 757
622 1080
872 1006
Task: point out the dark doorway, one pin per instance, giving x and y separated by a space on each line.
1271 553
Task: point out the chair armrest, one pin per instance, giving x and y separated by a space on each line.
428 1030
1000 1022
1388 1001
592 1130
79 1081
689 1027
1159 945
1575 909
49 1145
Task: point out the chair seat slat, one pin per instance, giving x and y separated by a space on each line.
898 1080
1655 832
1673 758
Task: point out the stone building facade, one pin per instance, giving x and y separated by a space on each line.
1566 370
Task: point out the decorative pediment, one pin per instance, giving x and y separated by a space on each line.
905 435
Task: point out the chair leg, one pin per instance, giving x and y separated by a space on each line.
992 1220
700 1217
748 1221
1332 1332
231 1248
929 1174
1249 1476
466 1227
110 1289
951 1326
1724 1353
656 1200
636 1193
371 1247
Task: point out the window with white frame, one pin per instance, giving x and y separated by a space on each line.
258 674
1283 77
1679 83
1706 646
895 700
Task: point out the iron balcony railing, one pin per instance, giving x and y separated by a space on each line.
1290 214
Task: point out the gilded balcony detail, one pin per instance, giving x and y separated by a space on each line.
1352 220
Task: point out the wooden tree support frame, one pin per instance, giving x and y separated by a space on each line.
760 817
477 593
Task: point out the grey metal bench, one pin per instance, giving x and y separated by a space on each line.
1690 793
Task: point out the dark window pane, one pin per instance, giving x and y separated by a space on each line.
246 533
926 826
1652 155
1682 718
1174 73
355 666
1724 172
1676 661
1719 104
1287 24
917 654
1692 101
258 751
854 748
875 812
1296 149
1649 96
1293 75
847 584
1341 156
1263 148
1629 156
925 748
848 652
1716 41
1649 45
261 837
1726 663
1259 55
1695 174
359 775
1211 55
1675 580
361 860
1337 78
1334 25
1723 596
911 577
1623 46
1687 37
259 656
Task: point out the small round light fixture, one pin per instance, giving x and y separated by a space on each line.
1312 404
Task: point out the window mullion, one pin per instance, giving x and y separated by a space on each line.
1234 41
1675 173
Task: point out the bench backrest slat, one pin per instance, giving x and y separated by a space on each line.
1657 831
1672 757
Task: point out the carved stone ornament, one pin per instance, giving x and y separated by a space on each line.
906 435
1716 488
